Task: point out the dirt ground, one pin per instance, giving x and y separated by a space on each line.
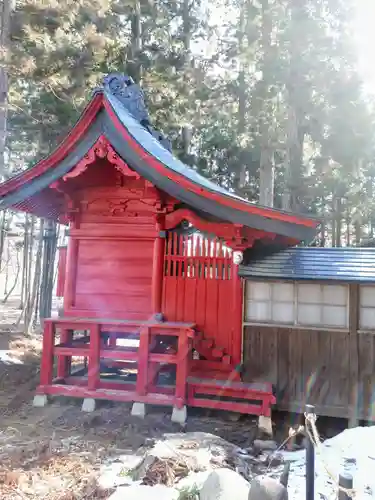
56 452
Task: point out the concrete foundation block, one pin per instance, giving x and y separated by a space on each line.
265 425
88 405
138 410
179 415
40 400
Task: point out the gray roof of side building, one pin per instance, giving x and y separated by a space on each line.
313 263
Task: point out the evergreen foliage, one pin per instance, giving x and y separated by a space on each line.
262 96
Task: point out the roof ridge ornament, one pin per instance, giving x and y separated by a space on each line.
131 96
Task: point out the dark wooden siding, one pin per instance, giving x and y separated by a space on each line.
334 370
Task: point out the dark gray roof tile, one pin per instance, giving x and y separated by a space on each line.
313 263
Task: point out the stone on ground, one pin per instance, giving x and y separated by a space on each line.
224 484
268 445
265 425
195 480
179 415
88 405
138 410
142 492
118 471
40 400
201 451
267 488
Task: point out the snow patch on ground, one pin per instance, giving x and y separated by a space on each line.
7 358
352 451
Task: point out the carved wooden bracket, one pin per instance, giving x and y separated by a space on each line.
235 236
101 149
228 232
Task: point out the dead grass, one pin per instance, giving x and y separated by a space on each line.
166 471
56 452
46 471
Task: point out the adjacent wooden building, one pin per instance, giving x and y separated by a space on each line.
309 328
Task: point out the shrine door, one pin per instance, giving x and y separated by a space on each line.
198 286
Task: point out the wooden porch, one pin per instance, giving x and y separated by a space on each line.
140 362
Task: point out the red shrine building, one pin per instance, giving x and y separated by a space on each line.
153 301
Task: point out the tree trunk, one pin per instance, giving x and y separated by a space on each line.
333 232
135 66
3 234
18 264
49 255
29 306
7 260
295 114
240 174
266 166
323 227
5 7
358 232
338 222
186 133
31 298
25 267
348 227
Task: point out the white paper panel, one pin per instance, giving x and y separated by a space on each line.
336 316
283 292
259 290
309 293
258 311
367 318
367 296
309 314
283 312
335 295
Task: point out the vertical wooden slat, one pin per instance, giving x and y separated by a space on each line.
214 260
183 354
143 355
354 354
64 362
46 367
195 254
94 358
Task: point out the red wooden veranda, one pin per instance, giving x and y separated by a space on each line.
152 297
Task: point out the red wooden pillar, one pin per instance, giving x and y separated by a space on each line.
61 272
71 271
94 357
182 367
64 362
46 367
237 310
143 358
158 266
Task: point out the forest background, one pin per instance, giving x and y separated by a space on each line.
265 97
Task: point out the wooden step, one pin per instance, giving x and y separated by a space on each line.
254 399
226 359
207 343
217 352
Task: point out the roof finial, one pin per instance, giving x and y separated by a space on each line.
132 98
128 93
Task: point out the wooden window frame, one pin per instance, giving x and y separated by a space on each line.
296 303
364 329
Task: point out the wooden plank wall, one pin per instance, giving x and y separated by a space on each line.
198 286
333 370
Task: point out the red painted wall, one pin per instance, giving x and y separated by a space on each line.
111 240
